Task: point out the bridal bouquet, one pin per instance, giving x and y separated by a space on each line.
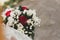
22 19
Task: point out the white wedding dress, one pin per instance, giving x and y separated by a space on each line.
9 32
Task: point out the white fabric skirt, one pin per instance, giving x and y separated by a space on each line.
9 32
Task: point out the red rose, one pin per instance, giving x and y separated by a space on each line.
22 20
24 8
8 13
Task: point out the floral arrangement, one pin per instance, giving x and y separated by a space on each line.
22 19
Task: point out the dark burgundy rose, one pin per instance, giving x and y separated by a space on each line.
24 8
22 20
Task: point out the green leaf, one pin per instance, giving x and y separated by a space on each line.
7 3
12 1
6 20
15 26
20 8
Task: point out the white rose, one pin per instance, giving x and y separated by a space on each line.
24 11
29 12
34 12
15 22
11 20
37 20
9 23
17 12
12 14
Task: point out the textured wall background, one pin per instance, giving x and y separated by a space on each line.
49 12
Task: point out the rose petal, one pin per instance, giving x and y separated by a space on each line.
23 20
8 13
